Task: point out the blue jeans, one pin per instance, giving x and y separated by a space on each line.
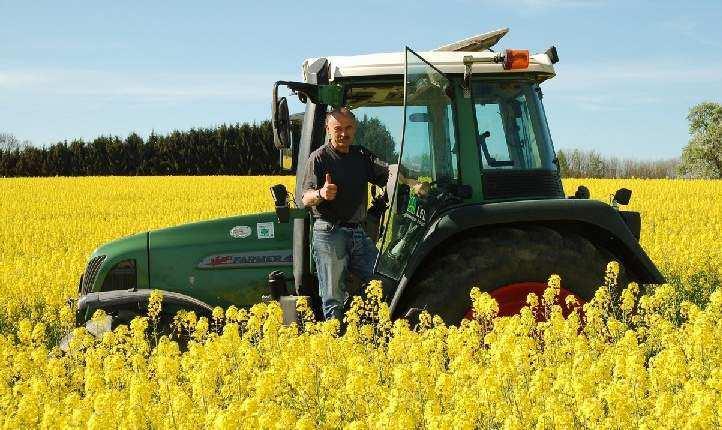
337 250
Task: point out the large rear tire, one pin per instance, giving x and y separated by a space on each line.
509 263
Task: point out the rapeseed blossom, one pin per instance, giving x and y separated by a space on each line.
632 357
589 369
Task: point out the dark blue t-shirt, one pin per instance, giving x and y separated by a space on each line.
351 173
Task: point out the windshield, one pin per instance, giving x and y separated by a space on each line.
511 128
378 108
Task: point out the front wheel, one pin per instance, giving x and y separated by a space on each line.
508 263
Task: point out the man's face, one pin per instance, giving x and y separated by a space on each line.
341 129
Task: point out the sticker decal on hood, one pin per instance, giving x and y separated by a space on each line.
264 230
281 257
240 231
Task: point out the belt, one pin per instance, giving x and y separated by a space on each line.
343 224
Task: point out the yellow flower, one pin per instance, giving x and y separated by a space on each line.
155 303
637 356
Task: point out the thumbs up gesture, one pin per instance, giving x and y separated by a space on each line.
329 189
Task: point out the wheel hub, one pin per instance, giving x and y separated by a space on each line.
511 298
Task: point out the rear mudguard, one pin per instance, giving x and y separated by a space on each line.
597 221
136 300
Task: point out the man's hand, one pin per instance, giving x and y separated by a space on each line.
327 192
421 189
329 189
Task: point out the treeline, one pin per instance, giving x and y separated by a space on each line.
578 163
244 149
238 149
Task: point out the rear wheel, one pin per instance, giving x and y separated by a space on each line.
509 263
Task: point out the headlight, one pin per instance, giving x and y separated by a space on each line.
122 276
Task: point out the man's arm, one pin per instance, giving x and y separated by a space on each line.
311 179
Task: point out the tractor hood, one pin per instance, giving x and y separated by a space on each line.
223 261
219 262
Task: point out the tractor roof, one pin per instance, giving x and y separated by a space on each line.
448 58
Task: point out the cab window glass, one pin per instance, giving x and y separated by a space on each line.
510 132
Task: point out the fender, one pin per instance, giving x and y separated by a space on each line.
595 220
135 299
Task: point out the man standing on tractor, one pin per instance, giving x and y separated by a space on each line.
335 187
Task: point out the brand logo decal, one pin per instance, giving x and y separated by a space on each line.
240 231
264 230
283 257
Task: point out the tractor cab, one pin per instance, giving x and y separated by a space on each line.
466 121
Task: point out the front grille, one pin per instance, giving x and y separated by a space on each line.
515 184
121 277
91 272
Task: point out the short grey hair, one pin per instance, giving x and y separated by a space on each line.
343 110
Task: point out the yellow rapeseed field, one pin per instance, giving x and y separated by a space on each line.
652 362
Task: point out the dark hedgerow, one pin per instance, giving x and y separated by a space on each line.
236 149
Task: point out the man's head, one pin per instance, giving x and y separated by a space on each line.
341 128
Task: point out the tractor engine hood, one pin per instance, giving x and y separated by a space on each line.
223 261
220 262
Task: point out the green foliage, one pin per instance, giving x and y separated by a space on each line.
577 163
563 163
238 149
374 136
702 157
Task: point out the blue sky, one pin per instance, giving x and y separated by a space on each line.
629 70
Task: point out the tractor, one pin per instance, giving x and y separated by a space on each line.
465 119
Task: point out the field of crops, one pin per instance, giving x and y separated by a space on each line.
660 366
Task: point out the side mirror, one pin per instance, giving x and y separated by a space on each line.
280 120
622 196
331 95
581 193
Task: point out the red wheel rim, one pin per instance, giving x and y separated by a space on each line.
511 298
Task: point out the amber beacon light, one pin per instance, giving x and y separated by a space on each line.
516 59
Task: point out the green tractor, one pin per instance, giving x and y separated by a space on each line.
495 216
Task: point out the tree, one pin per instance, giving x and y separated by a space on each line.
563 163
585 163
702 157
236 149
10 143
374 136
596 165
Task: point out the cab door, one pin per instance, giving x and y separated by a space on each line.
427 171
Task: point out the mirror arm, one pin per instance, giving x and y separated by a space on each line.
308 90
318 94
